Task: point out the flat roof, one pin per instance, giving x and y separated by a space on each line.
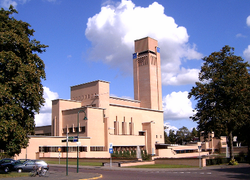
89 83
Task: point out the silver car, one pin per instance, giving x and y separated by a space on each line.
29 165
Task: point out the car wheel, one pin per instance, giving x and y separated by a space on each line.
19 170
6 169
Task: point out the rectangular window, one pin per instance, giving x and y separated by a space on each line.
82 129
141 133
65 130
63 149
70 130
131 128
96 148
124 128
116 126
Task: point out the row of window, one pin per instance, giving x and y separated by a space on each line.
73 130
86 96
61 149
185 151
124 129
46 149
143 60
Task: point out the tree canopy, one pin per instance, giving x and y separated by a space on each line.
222 94
181 136
21 72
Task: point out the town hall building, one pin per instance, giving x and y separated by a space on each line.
100 120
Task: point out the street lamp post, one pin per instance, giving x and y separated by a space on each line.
85 118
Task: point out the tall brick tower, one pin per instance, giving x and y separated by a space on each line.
147 73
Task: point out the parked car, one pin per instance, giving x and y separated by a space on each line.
21 161
6 160
30 164
6 164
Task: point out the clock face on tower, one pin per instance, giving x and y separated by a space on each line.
134 55
158 49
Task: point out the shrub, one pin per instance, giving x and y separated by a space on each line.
217 161
233 162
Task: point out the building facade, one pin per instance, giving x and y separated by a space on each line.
100 120
97 121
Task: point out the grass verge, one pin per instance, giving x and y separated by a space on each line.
75 163
13 174
161 166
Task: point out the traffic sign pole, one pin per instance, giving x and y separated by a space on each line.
110 151
67 156
199 147
59 150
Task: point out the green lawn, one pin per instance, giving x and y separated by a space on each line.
12 174
100 164
75 163
161 166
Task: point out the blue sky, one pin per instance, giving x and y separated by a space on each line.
94 40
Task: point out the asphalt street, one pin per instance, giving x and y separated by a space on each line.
58 172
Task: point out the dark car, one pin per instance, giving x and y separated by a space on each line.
6 164
29 165
6 160
21 161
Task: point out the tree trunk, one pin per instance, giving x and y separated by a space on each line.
230 141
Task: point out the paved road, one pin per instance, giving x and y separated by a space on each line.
213 172
241 171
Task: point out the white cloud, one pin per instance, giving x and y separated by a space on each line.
113 30
177 106
246 53
6 3
44 117
184 76
169 127
248 21
239 35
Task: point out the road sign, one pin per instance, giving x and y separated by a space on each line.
110 148
110 151
71 139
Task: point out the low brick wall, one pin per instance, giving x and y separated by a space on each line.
181 161
137 163
237 150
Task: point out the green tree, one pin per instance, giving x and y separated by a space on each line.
166 138
183 135
172 136
21 71
243 136
222 94
194 133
